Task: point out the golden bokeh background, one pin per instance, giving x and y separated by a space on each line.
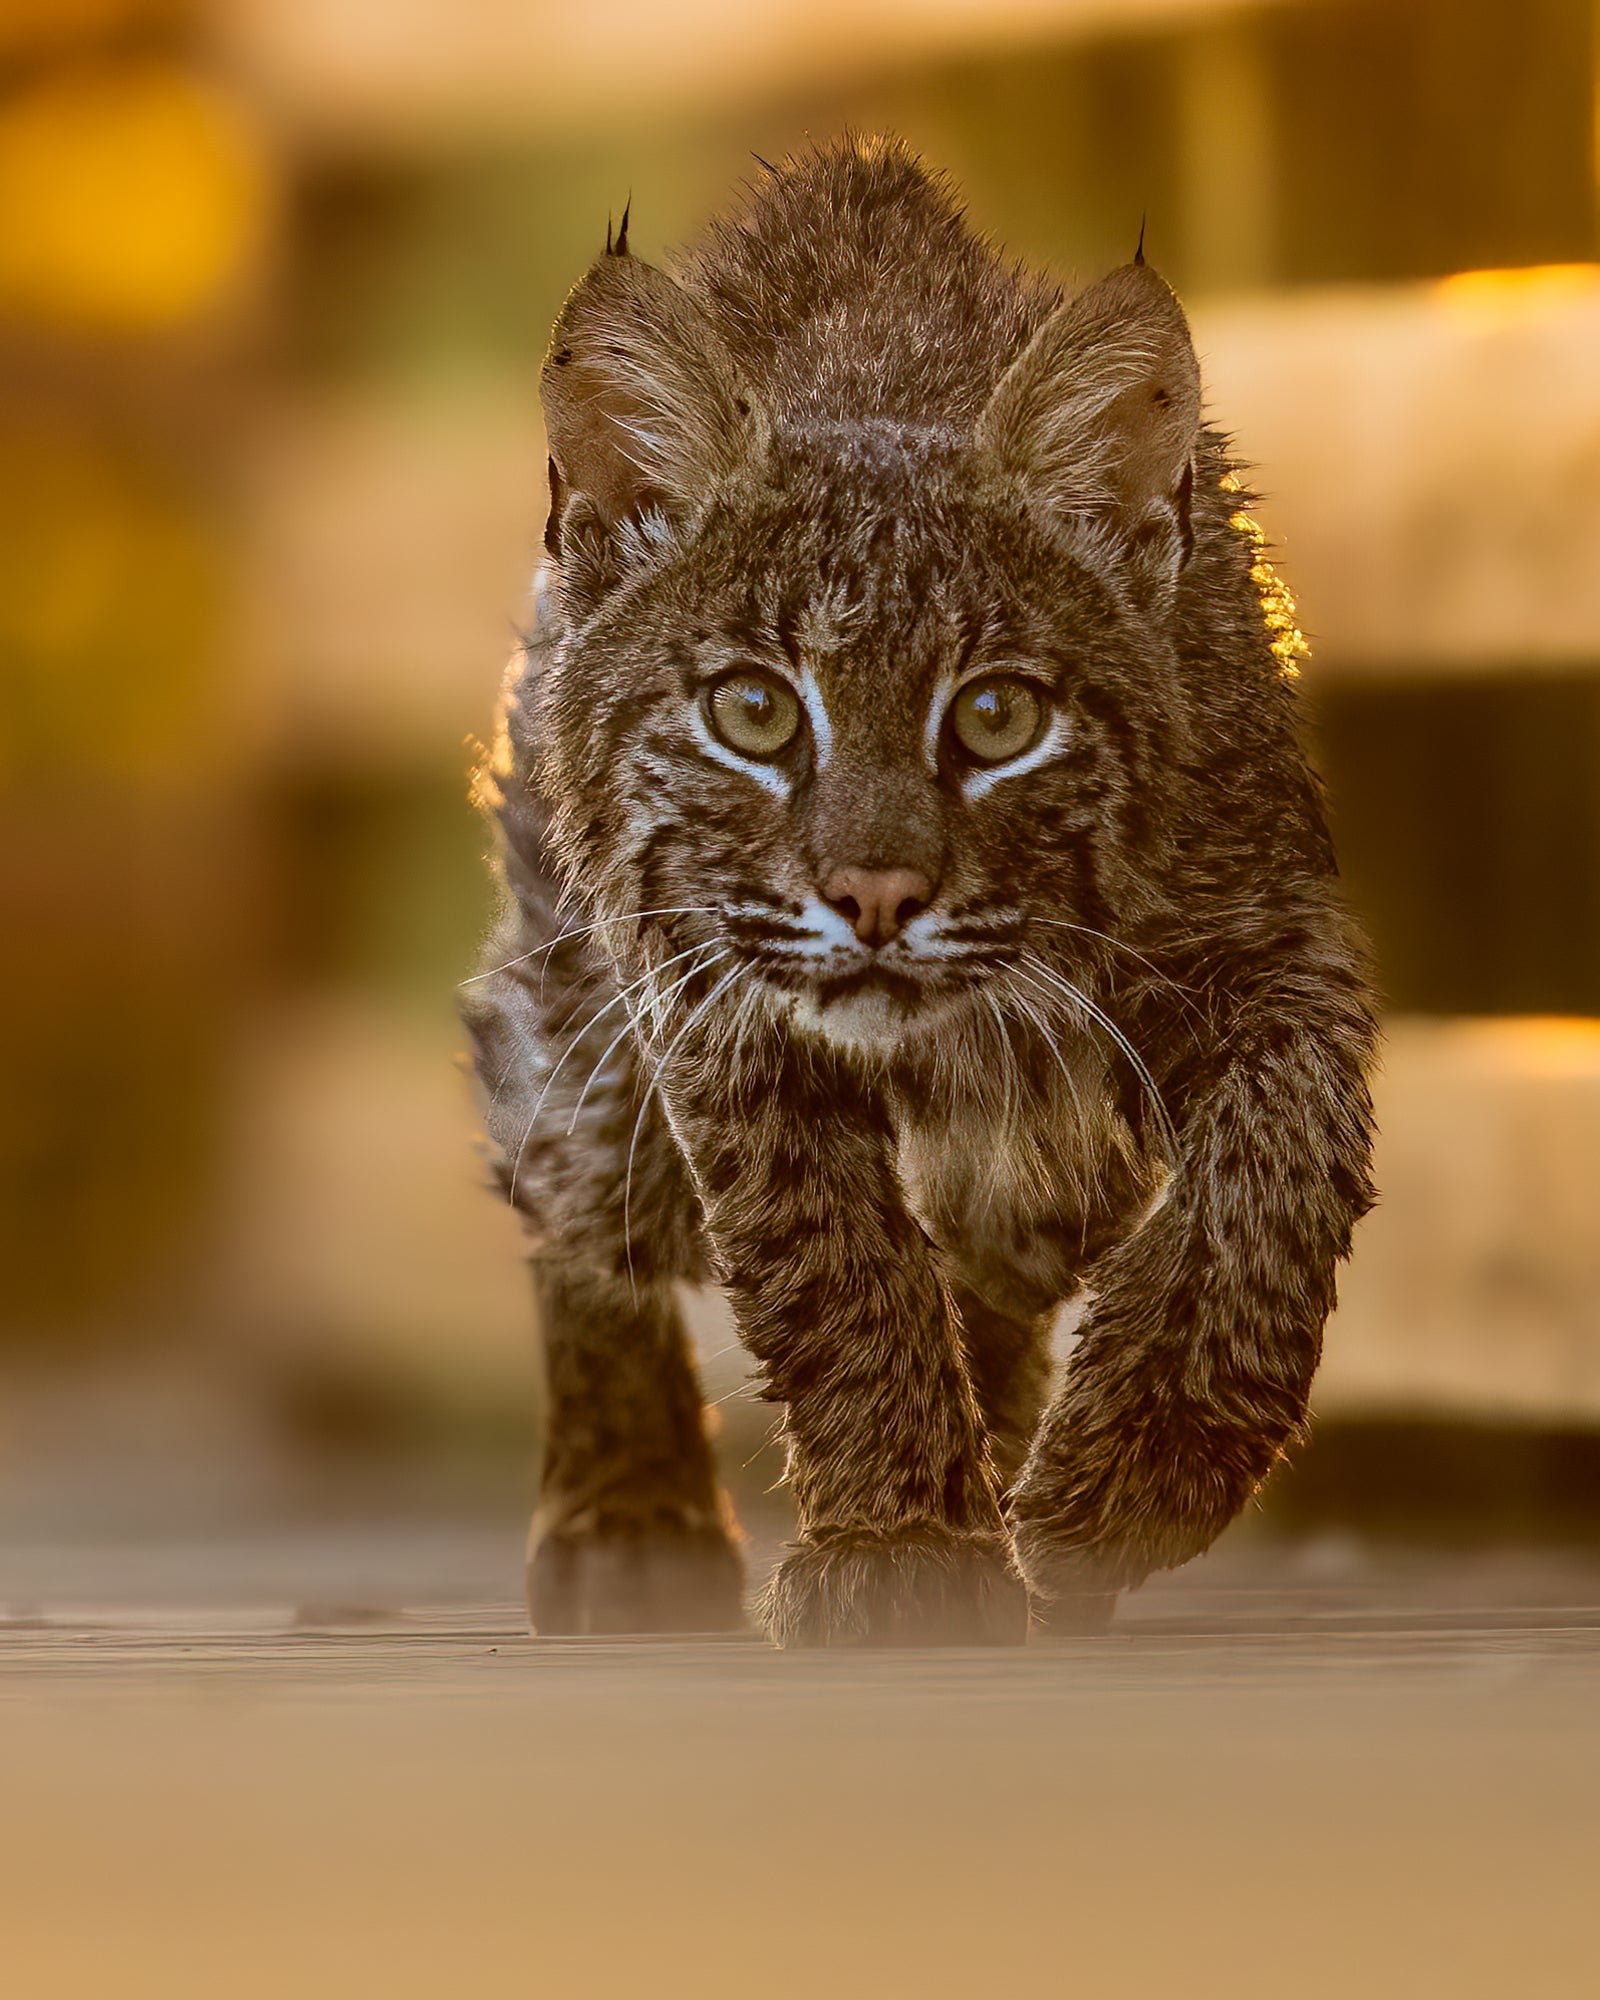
275 277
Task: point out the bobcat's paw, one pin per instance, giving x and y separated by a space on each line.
928 1586
1082 1614
1074 1595
614 1580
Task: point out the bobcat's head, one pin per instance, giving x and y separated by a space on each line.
870 698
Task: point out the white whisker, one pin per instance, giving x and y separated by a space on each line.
1007 1067
1183 992
599 1014
585 930
696 1013
631 1026
1095 1179
1035 967
1043 1027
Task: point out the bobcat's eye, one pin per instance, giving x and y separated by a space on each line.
997 719
754 713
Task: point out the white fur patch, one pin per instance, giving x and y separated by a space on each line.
817 715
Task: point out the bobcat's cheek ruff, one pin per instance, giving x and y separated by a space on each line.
917 911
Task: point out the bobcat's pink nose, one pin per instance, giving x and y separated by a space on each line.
877 903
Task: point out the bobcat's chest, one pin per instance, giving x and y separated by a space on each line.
1019 1180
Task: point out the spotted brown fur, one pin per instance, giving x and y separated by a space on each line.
1121 1045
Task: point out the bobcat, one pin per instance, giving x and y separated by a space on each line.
917 912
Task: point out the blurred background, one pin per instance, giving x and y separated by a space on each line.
275 280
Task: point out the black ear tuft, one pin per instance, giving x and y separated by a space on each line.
1138 253
622 232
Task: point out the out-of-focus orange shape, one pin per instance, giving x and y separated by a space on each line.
1519 293
1551 1045
131 197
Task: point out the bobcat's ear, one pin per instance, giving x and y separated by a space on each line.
1099 416
645 415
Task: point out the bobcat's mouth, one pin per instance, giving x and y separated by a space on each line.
909 993
870 1009
826 980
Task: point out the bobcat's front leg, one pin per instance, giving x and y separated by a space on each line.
1206 1325
839 1296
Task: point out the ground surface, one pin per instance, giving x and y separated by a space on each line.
326 1760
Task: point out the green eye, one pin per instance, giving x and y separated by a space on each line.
754 713
996 720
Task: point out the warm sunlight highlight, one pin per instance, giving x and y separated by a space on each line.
1510 297
1278 608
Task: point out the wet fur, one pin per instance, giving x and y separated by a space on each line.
843 438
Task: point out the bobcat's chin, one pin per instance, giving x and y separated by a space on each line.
873 1014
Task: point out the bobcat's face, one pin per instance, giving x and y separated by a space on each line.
874 739
860 693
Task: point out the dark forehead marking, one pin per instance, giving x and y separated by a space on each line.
871 577
878 678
